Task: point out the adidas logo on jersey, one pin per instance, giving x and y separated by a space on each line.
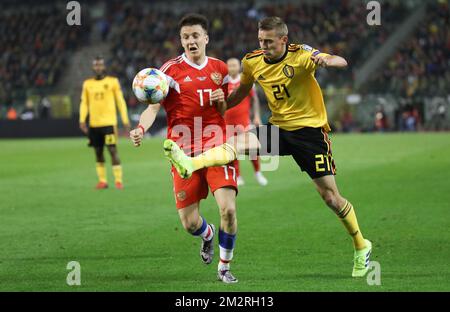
187 79
261 77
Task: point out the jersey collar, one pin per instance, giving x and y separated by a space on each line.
199 67
234 81
279 60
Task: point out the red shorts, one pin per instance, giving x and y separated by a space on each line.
194 189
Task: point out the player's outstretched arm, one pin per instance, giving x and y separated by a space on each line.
256 109
326 60
145 122
238 95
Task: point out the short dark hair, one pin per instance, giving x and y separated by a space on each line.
98 58
194 19
273 22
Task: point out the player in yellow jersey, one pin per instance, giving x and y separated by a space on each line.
99 98
298 125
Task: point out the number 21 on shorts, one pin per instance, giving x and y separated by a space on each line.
322 162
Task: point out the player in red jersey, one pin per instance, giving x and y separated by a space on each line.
198 87
239 117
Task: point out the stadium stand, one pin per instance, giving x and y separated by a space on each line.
35 53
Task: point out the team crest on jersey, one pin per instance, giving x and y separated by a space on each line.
106 86
217 78
181 195
288 71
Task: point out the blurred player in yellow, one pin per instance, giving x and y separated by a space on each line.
299 122
100 98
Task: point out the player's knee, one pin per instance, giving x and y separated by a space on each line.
228 213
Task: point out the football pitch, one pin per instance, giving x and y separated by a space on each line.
288 240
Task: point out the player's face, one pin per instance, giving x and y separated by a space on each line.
194 40
98 67
234 67
271 43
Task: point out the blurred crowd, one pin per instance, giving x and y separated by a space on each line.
421 65
332 26
35 45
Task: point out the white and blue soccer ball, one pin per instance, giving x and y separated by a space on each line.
150 86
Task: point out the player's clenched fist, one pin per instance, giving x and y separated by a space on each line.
217 96
136 136
321 60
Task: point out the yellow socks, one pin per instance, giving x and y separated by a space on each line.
101 172
117 171
348 218
216 156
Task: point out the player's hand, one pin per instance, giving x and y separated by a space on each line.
320 60
83 127
217 96
257 121
136 136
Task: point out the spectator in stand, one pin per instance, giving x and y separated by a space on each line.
381 123
11 114
28 112
347 122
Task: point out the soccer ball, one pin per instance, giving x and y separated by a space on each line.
150 86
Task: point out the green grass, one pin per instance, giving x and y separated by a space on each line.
288 240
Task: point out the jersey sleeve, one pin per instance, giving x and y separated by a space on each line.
246 75
226 78
306 61
169 71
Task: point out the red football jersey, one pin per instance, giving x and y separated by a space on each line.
240 114
194 122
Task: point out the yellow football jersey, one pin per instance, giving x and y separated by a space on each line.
292 91
99 98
